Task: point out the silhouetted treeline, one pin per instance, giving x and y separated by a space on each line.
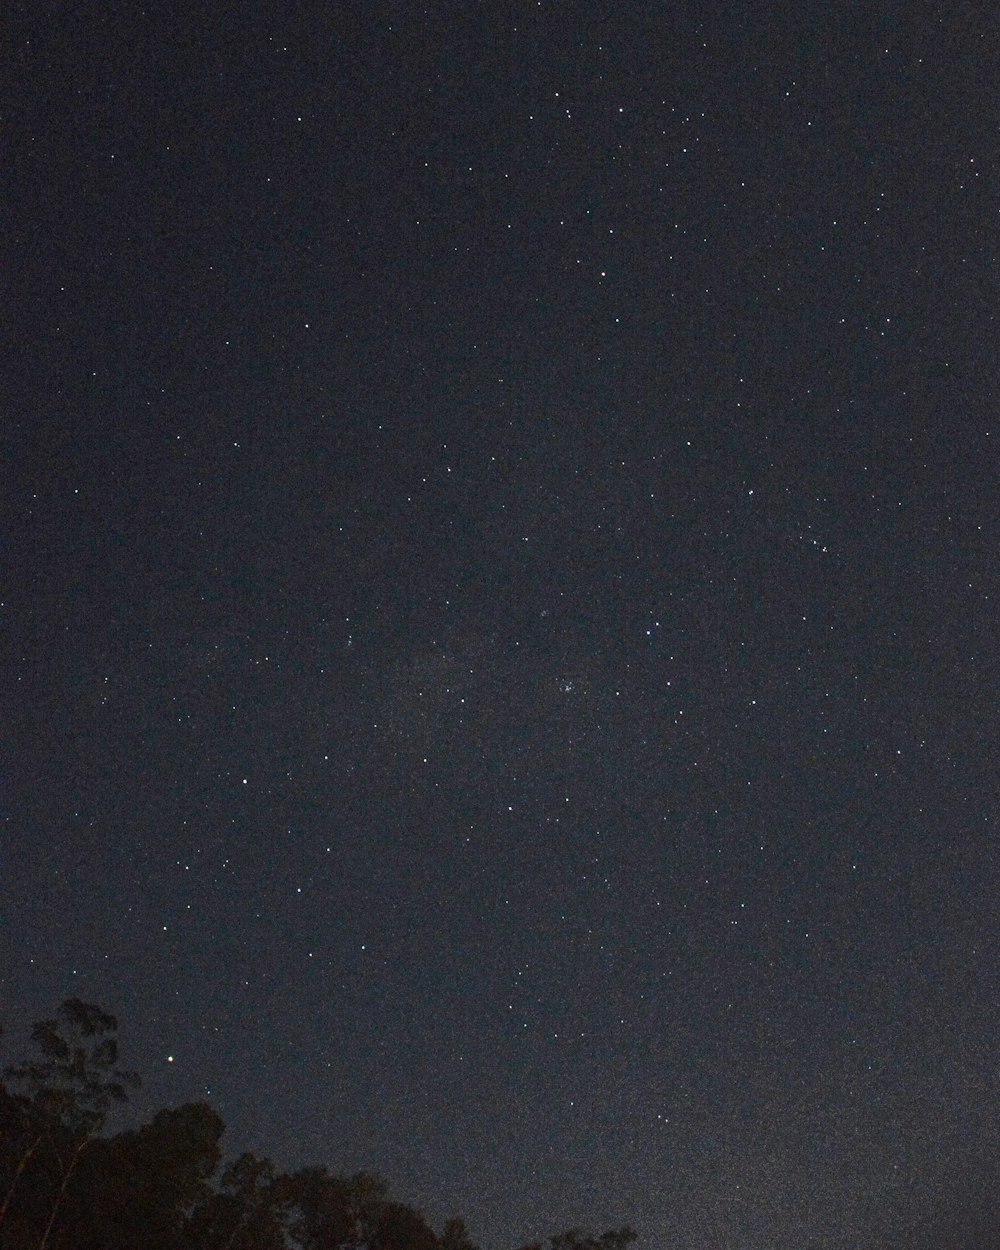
65 1186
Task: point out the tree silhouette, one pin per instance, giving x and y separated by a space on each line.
66 1186
65 1095
247 1213
326 1212
613 1239
148 1179
456 1236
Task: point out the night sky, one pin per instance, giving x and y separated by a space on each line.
499 674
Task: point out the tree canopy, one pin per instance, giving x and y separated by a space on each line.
65 1185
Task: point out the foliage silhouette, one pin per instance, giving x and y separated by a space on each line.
64 1186
65 1095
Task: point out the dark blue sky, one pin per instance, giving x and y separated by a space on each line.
500 640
